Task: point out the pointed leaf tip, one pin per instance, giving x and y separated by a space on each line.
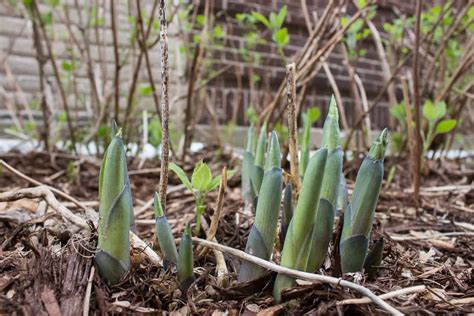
333 110
331 133
273 154
157 204
377 151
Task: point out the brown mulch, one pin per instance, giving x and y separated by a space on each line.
45 268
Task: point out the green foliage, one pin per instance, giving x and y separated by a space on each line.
251 115
72 172
433 113
201 183
155 132
309 118
273 23
357 31
360 212
263 233
164 236
185 266
115 213
434 116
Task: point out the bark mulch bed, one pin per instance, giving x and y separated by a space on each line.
45 264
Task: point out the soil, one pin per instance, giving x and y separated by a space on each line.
45 267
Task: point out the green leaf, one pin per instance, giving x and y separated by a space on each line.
202 177
261 18
313 114
445 126
281 37
217 180
181 175
433 112
66 66
280 18
145 90
398 111
200 20
219 31
47 18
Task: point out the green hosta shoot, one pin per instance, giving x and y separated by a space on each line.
185 260
359 214
310 230
374 259
342 196
326 208
263 232
115 213
201 183
309 118
295 254
247 169
287 213
164 236
257 174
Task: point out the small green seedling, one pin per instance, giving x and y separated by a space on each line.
201 183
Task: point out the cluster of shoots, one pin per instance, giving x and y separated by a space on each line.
307 223
116 220
307 218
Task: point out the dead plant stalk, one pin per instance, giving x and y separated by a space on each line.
165 114
312 277
292 125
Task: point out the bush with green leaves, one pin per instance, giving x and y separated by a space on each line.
434 117
202 182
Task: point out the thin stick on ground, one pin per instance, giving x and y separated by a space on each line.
36 182
397 293
416 103
220 203
165 141
409 126
312 277
117 63
57 75
44 192
87 298
292 125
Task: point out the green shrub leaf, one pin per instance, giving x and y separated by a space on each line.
181 175
202 177
445 126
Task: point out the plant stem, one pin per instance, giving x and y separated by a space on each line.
292 126
165 142
116 60
416 102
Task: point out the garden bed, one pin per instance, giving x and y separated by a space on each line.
45 266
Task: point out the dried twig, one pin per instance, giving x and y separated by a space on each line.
449 234
416 103
397 293
220 203
165 114
292 125
118 65
36 182
57 76
337 95
87 298
312 277
46 194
